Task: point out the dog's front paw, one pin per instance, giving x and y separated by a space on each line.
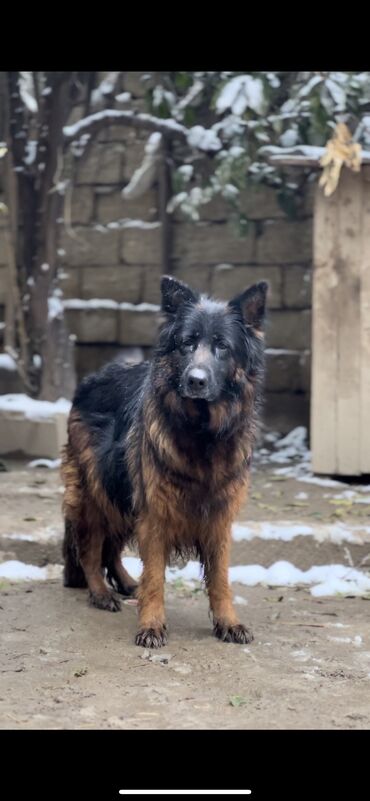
236 633
152 637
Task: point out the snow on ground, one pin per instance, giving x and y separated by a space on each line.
324 580
337 533
51 463
19 571
6 362
292 451
33 409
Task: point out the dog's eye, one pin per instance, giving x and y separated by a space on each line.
188 347
222 348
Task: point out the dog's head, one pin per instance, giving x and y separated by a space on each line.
208 343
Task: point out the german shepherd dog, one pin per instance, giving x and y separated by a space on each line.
161 452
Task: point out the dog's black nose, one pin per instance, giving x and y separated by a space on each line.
197 380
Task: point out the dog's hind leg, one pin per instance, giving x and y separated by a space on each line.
117 574
91 550
73 574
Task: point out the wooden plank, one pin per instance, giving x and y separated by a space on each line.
348 268
303 161
324 334
365 327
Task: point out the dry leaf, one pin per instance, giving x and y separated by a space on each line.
339 150
237 700
341 502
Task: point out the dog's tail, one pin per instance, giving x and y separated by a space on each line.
73 574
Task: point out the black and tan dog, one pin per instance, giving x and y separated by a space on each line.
161 451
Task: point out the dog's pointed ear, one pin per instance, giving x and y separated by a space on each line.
174 294
252 304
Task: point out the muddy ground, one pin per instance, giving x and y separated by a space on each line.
65 665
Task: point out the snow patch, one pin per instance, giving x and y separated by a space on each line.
242 92
326 579
94 303
203 139
31 409
355 641
19 571
6 362
336 533
55 307
27 91
106 303
240 601
145 175
31 152
51 463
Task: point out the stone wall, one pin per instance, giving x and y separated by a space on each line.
120 263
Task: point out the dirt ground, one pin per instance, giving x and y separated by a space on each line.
66 665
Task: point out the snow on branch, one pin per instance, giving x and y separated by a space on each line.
197 137
144 176
95 122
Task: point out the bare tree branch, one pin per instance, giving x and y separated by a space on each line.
102 119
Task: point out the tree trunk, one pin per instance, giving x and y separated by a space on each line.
45 358
165 193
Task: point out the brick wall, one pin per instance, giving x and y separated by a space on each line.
122 263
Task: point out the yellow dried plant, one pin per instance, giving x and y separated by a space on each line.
340 149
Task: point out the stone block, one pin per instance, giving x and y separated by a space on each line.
82 204
43 436
284 241
89 358
138 325
10 381
256 202
141 244
113 206
297 287
289 330
228 281
209 244
287 370
196 275
90 246
151 291
102 164
70 283
93 324
120 283
283 411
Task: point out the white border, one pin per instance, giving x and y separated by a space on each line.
185 792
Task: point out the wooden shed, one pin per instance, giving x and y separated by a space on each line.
340 390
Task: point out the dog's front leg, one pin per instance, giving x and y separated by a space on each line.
216 557
152 631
